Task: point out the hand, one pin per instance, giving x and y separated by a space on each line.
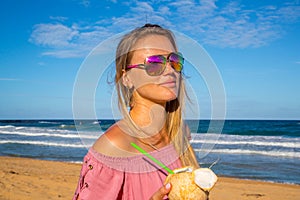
159 195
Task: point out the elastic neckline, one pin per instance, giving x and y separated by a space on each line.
137 163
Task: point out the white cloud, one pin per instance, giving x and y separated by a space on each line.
58 18
65 53
232 25
41 63
164 10
85 3
64 41
9 79
53 35
142 7
210 22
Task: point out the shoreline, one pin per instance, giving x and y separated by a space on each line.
28 178
257 180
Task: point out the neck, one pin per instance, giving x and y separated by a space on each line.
145 112
150 117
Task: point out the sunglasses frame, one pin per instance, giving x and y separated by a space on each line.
146 65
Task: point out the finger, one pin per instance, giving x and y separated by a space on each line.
159 195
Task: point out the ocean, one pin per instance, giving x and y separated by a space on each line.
267 150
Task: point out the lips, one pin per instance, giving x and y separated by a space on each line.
168 84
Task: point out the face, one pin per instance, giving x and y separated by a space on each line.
160 88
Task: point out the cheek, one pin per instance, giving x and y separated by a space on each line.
140 78
149 86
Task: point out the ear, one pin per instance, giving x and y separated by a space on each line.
127 81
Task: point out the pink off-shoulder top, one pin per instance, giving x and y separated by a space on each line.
123 178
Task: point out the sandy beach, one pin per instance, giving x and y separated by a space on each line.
23 178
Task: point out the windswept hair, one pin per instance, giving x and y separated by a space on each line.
177 130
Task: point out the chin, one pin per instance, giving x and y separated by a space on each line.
170 93
165 98
170 98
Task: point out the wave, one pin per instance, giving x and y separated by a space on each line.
241 137
255 143
75 162
7 126
66 126
48 122
12 127
40 143
245 151
85 136
19 127
211 138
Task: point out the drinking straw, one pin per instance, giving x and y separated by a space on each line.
152 158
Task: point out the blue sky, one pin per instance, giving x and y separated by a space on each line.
255 45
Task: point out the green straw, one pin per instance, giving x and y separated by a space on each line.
152 158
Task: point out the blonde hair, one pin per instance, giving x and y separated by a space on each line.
177 130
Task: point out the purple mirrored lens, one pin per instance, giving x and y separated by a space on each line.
155 65
155 69
176 61
156 59
177 58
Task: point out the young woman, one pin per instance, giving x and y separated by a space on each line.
151 96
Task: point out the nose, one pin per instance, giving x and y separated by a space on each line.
169 69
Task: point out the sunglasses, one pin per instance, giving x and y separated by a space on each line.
155 65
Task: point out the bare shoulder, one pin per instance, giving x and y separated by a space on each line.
114 142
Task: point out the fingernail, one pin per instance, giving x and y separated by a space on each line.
168 186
